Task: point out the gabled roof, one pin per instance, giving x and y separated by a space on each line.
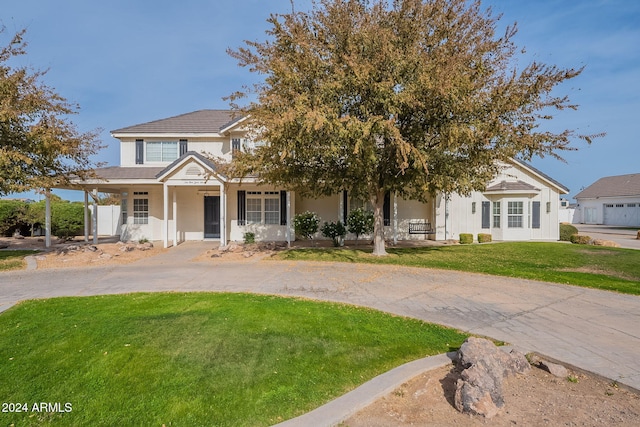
196 122
562 188
612 186
184 158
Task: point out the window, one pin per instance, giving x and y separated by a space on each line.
140 207
258 203
515 211
619 205
124 202
473 207
496 214
162 151
235 146
631 205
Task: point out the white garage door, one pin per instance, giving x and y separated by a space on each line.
624 214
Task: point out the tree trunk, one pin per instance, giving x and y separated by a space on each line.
377 201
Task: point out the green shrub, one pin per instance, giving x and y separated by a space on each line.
67 219
12 216
466 238
580 240
249 238
360 222
566 231
335 231
306 224
484 238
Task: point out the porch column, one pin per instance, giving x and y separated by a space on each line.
341 207
47 217
223 216
86 216
175 216
165 219
94 218
395 218
288 231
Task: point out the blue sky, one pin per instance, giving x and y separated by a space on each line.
128 62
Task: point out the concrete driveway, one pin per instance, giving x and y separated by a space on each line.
593 330
627 238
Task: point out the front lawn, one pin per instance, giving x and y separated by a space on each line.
195 358
13 260
590 266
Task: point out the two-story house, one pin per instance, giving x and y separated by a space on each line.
172 191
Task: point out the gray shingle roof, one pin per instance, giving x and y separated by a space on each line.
542 174
512 186
612 186
117 172
202 121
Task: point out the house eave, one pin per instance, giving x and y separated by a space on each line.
168 135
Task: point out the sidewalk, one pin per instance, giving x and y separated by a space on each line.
593 330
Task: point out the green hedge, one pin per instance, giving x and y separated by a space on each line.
484 238
581 240
67 219
466 238
566 231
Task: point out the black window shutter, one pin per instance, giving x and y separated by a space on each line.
242 207
486 214
535 215
183 147
139 151
386 208
345 206
283 208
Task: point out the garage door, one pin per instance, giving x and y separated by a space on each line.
623 214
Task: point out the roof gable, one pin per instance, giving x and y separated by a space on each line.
196 122
612 186
187 158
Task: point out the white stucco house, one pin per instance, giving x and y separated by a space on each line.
612 200
172 192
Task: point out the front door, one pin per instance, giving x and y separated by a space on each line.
212 217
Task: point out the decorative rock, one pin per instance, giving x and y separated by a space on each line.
606 243
479 390
73 248
554 369
91 248
248 254
3 246
144 246
638 235
126 248
105 256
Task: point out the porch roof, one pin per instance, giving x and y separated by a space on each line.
512 187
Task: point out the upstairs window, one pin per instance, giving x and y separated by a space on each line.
162 151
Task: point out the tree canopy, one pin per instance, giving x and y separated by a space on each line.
411 96
40 148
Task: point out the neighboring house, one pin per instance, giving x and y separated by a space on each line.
171 190
612 200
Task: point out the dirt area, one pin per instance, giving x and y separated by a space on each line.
535 399
78 253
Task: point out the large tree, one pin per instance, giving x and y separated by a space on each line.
40 148
411 96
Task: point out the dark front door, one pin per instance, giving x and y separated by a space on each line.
212 217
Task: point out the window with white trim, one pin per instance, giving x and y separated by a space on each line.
140 207
263 207
162 151
496 214
515 213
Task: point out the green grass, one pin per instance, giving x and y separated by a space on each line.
196 358
13 260
612 269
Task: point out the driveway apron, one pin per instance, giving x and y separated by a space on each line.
590 329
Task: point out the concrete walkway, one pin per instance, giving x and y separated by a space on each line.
593 330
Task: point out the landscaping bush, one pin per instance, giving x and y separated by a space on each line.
67 219
249 238
566 231
335 231
306 224
360 222
12 215
466 238
581 240
484 238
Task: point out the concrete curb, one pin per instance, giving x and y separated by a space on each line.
32 264
340 409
